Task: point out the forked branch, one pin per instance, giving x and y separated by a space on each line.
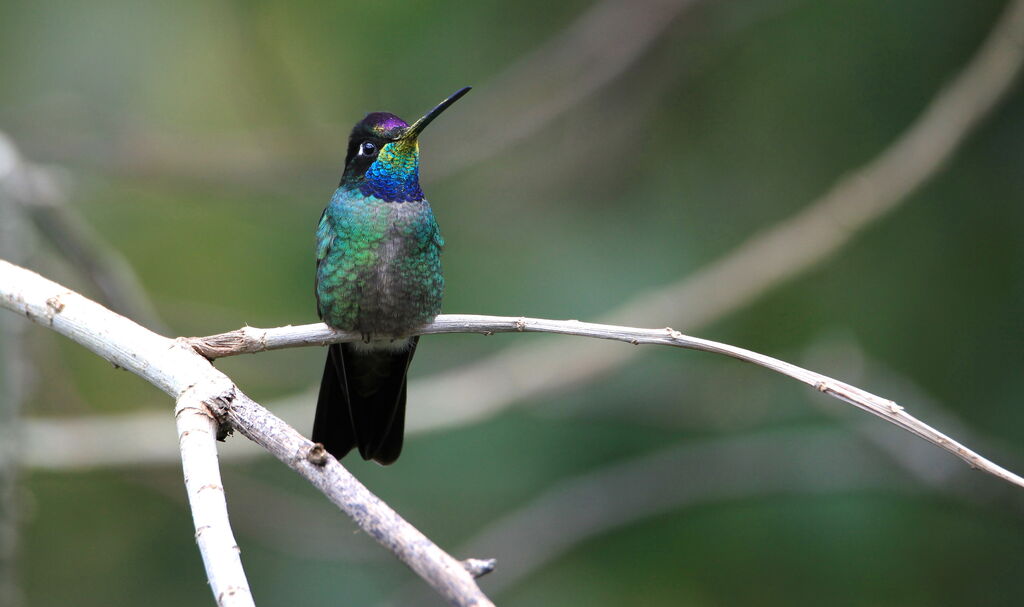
199 387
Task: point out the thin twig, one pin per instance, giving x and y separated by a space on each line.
181 372
916 459
251 339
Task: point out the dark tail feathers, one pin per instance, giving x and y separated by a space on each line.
362 402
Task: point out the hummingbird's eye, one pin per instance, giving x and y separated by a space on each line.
367 149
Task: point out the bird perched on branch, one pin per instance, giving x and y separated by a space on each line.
378 273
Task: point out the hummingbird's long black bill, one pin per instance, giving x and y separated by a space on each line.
417 127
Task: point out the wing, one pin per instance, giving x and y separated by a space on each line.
325 234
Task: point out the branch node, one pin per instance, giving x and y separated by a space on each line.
199 346
55 304
230 592
479 567
220 404
224 430
521 324
219 407
317 455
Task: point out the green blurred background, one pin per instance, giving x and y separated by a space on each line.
201 140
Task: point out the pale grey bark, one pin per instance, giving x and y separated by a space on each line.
174 367
251 339
197 437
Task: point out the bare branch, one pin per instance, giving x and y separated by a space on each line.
916 459
180 372
250 339
448 576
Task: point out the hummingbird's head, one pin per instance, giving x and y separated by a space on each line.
383 157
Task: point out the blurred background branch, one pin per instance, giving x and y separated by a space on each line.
579 509
40 194
518 102
556 77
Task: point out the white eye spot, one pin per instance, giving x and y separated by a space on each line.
367 149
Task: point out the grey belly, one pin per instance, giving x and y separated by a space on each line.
394 300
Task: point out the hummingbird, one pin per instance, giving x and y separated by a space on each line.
378 273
